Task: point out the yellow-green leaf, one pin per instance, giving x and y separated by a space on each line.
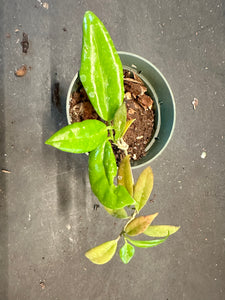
125 176
118 213
161 230
143 188
120 121
139 225
128 124
102 253
147 244
126 253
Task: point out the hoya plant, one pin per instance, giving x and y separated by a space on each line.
101 74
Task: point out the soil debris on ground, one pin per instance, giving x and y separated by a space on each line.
25 43
21 71
203 155
96 206
42 285
195 103
6 171
45 5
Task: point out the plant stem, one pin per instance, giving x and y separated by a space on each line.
131 219
111 135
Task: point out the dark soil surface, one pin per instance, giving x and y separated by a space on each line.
139 107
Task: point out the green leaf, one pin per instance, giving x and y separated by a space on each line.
125 176
108 194
128 124
126 253
109 162
123 197
147 244
139 225
120 119
161 230
118 213
101 71
79 137
143 188
102 253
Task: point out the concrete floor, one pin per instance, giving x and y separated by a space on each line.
47 221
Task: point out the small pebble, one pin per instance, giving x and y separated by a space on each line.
203 155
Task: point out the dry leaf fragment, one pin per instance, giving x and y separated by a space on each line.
42 285
195 103
21 71
6 171
45 5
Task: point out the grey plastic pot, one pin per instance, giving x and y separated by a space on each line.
164 104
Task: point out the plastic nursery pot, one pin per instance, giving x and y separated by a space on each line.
164 105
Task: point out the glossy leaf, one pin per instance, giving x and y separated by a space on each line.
120 119
108 194
109 162
117 213
147 244
161 230
102 253
126 253
125 176
143 188
128 124
139 225
79 137
101 71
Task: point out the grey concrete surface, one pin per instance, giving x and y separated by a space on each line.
47 221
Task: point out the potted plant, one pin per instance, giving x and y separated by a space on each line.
101 74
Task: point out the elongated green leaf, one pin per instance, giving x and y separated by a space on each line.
139 225
101 71
160 230
143 188
126 253
128 124
102 253
147 244
125 176
109 162
79 137
120 119
118 213
108 194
